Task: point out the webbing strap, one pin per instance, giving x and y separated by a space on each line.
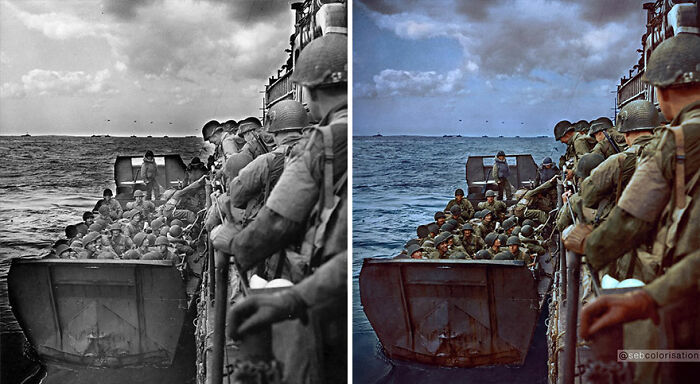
327 134
680 166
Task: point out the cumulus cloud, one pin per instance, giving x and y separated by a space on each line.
58 25
43 82
391 82
589 40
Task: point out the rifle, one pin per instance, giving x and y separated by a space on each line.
612 142
486 180
261 142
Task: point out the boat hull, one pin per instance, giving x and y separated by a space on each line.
458 313
99 313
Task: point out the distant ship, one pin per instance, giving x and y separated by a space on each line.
165 136
377 135
133 135
26 135
485 136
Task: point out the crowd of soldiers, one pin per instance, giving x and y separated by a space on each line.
279 209
493 232
631 210
142 231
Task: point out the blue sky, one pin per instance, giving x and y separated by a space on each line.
488 67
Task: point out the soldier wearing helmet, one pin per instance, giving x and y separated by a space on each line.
114 208
145 207
609 141
493 244
496 206
441 246
546 171
162 251
660 201
488 223
500 173
514 244
149 174
251 188
471 242
309 201
118 241
464 204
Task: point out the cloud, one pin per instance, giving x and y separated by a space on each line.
391 83
567 37
125 9
41 82
58 25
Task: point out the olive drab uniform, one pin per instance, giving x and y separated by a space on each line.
497 206
472 244
663 195
532 245
605 148
465 205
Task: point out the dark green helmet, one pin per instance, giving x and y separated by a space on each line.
562 128
600 124
433 228
490 193
638 115
467 227
528 222
422 231
286 115
324 61
413 248
527 231
248 124
447 227
439 215
508 224
516 230
503 238
456 210
491 238
513 240
581 126
454 223
482 255
505 255
675 61
411 242
587 163
441 238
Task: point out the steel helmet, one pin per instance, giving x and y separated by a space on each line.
505 255
675 61
500 153
503 238
508 224
162 240
490 193
527 231
438 215
467 227
90 237
456 210
482 255
131 254
638 115
411 242
459 192
115 227
491 238
413 248
513 240
433 228
547 160
139 192
139 238
248 124
581 126
286 115
441 238
324 61
447 227
422 231
176 222
209 128
516 230
600 124
562 128
587 163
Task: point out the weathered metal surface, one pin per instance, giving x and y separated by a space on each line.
100 313
461 313
127 173
478 174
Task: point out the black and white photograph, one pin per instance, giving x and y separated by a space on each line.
175 191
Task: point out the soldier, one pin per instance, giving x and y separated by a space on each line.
493 244
115 209
464 204
456 212
162 252
441 246
415 252
493 205
602 189
577 145
309 200
563 131
440 218
508 225
583 214
118 241
471 242
528 241
663 193
146 207
513 244
546 171
88 219
606 137
135 224
251 188
483 255
89 246
250 129
488 224
149 174
500 173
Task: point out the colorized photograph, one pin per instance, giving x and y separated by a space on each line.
174 200
525 199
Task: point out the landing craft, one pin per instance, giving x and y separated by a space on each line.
107 313
459 313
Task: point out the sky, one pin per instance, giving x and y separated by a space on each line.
494 67
83 67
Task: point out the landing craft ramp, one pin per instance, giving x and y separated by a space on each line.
128 178
523 173
461 313
99 313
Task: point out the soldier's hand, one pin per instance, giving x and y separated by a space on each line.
569 174
259 311
609 310
222 237
575 238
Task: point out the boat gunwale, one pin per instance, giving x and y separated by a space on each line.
507 263
119 262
